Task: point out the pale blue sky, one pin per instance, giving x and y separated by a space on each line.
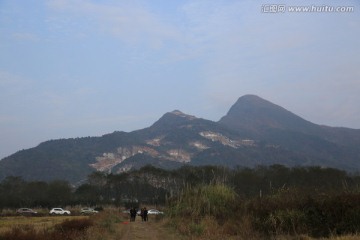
86 68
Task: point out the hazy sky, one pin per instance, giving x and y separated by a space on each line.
76 68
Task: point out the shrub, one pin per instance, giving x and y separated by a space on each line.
74 225
201 210
212 200
22 233
106 220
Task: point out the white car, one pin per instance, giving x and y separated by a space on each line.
154 211
59 211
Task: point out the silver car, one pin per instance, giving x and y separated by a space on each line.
26 211
88 211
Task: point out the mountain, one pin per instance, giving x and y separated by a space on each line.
253 115
253 132
262 120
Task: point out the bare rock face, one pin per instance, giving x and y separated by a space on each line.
164 149
218 137
108 160
179 155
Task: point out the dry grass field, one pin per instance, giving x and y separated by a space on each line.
107 225
110 225
38 223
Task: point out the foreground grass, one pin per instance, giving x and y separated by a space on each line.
38 223
216 212
211 213
98 227
107 225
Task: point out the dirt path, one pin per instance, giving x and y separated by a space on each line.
150 230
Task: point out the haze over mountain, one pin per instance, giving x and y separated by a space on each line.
253 132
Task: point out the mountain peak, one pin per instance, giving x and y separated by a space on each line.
251 97
181 114
174 118
252 113
251 100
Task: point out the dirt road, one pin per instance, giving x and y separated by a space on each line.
150 230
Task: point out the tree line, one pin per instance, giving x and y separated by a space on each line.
150 185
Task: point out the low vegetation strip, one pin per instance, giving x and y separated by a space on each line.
38 223
156 228
216 212
203 203
102 226
258 219
108 225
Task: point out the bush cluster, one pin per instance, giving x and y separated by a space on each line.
319 216
203 210
69 229
216 210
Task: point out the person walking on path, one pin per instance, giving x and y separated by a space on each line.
145 214
142 214
132 214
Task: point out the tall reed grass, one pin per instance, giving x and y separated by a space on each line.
207 211
216 211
